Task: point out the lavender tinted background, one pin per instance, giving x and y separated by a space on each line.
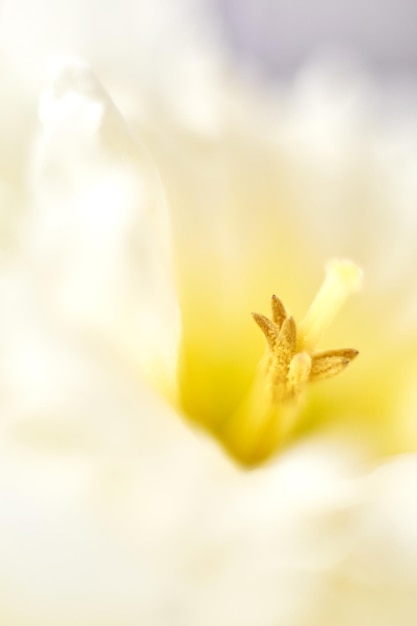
276 37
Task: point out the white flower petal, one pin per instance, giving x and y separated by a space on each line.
100 235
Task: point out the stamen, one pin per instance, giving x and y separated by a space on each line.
279 313
331 362
268 328
271 409
342 279
299 372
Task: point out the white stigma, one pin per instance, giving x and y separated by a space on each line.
343 277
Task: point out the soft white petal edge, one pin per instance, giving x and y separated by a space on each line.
100 235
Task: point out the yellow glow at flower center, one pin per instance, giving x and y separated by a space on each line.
256 428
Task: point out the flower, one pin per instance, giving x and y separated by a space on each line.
116 507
